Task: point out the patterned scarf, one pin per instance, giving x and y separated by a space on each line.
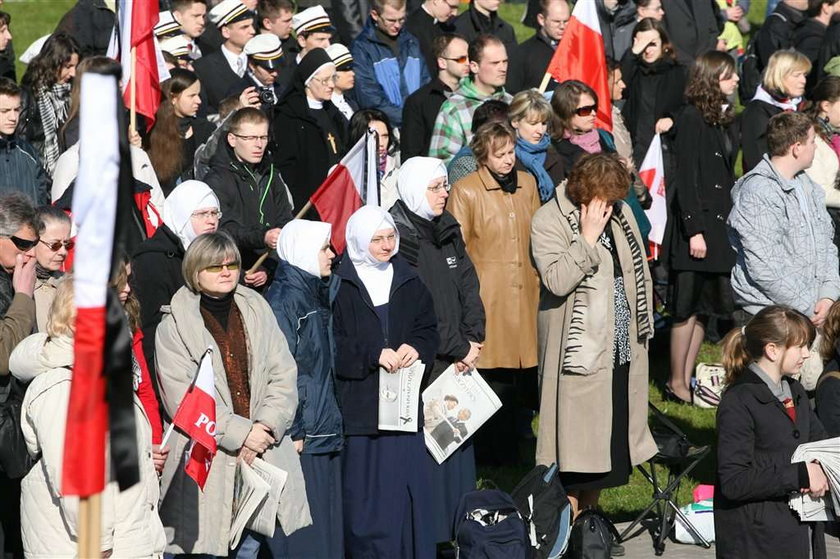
53 103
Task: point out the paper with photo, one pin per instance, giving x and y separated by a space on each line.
399 398
256 494
827 453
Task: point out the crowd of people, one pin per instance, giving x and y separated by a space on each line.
510 238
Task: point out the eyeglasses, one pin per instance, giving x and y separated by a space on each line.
214 214
250 138
326 81
23 244
56 245
458 59
216 268
586 111
438 187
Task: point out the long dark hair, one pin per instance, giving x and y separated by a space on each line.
703 90
650 24
43 70
95 64
828 89
360 122
165 142
564 103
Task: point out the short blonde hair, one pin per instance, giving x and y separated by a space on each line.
62 318
210 249
782 64
530 105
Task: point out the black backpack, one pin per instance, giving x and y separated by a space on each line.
488 526
543 504
592 536
751 69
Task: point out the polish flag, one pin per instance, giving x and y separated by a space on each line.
352 183
581 56
196 417
653 175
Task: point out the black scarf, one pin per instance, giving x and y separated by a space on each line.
184 125
507 182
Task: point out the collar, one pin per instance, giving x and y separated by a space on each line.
490 183
546 39
314 104
433 18
233 58
762 392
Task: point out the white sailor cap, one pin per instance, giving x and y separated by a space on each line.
166 25
265 50
340 56
229 11
179 46
312 19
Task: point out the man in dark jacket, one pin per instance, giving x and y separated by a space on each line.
90 22
429 21
20 168
422 106
482 18
613 14
254 200
693 27
7 49
530 59
191 16
808 37
387 60
778 30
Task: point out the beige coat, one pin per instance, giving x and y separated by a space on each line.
823 171
196 521
576 407
496 228
45 290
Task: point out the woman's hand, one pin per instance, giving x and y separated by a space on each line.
468 362
697 246
259 439
663 125
818 483
256 279
299 446
159 457
247 455
134 138
389 360
407 355
593 218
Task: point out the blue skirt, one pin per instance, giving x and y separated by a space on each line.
450 481
324 539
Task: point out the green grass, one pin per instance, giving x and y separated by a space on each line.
32 19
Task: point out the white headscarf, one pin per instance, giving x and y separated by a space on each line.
300 242
186 198
413 183
375 275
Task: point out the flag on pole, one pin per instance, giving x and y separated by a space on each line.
581 56
196 417
653 175
352 183
101 392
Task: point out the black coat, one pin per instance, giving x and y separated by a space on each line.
528 63
808 39
210 40
755 442
359 339
828 397
302 152
424 27
754 121
777 32
253 199
436 250
829 49
693 26
610 22
218 81
419 113
90 22
470 24
700 188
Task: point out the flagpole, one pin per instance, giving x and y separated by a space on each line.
306 207
133 118
544 82
90 527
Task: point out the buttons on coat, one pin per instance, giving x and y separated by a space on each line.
796 434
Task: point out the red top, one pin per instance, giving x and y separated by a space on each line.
145 391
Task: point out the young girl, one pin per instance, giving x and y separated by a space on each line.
828 385
763 417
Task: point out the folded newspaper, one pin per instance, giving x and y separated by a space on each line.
455 405
399 398
256 494
811 509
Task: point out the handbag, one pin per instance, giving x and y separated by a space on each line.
708 384
15 460
592 536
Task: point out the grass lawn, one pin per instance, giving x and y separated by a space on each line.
32 19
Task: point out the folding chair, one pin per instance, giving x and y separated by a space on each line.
679 457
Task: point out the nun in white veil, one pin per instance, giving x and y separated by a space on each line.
383 318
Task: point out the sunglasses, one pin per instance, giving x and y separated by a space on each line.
219 267
56 245
459 59
586 111
23 244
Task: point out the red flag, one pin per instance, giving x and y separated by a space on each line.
652 172
343 191
196 417
581 56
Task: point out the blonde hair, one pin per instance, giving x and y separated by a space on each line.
62 318
210 249
782 64
530 105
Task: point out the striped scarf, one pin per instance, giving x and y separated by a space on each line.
53 103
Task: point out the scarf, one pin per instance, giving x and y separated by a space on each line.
784 103
53 104
507 182
413 182
300 243
590 142
376 276
533 157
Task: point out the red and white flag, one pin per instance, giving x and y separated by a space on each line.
581 56
653 175
196 417
352 183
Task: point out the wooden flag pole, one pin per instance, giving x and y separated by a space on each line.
544 83
90 526
264 255
133 117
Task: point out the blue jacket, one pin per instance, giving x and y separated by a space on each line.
360 339
382 81
301 303
21 170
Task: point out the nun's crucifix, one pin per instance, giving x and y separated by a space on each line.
331 140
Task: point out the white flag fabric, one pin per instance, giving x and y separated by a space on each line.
653 175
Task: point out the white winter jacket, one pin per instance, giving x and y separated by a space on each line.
131 526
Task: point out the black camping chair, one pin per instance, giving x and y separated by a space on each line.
679 457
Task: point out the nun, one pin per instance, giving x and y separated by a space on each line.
384 317
431 242
190 210
301 297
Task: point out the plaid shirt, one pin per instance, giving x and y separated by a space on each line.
454 120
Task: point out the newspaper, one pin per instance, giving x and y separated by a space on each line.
256 494
399 398
810 509
454 407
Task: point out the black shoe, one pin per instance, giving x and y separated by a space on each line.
616 550
669 396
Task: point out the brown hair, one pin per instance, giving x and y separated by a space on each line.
165 143
564 102
246 115
489 137
272 9
97 65
598 175
475 50
786 129
378 6
826 91
650 24
776 324
131 305
830 332
9 88
703 90
442 42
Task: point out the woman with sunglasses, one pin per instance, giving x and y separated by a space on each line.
256 399
431 241
53 246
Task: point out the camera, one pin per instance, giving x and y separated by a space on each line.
266 96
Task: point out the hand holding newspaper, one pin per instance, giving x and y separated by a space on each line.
399 398
256 494
827 453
